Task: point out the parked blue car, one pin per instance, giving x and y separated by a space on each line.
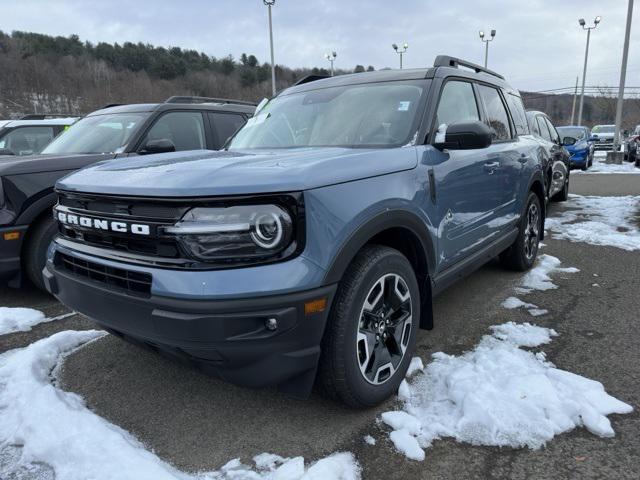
311 247
582 151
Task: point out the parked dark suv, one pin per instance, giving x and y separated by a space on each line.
310 248
556 161
26 183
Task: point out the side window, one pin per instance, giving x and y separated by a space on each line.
517 114
184 129
225 125
27 140
552 130
497 117
457 104
535 128
544 130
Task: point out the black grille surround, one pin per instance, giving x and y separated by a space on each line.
162 250
132 283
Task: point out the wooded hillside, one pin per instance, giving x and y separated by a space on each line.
45 74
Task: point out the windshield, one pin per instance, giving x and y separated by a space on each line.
574 132
603 129
372 115
97 134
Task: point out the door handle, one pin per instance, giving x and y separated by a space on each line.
491 167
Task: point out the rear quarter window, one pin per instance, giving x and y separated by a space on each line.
518 114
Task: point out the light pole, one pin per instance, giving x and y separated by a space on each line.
331 57
405 45
583 24
269 4
486 45
623 75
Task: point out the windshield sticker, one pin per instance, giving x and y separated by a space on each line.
403 106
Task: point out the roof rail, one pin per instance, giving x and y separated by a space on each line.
44 116
447 61
192 99
109 105
310 78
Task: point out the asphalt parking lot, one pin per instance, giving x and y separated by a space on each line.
199 423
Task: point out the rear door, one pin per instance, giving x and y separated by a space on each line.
503 163
224 126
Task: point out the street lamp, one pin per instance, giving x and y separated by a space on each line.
486 45
331 57
405 45
269 4
583 24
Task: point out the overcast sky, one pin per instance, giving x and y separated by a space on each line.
539 44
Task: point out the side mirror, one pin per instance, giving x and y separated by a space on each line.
464 136
6 151
160 145
568 141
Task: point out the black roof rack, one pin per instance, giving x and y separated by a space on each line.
447 61
311 78
190 99
44 116
109 105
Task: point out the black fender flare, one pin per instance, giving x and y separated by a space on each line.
36 209
369 229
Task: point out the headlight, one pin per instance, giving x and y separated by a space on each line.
236 234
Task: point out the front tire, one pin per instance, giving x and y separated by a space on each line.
372 329
40 237
522 254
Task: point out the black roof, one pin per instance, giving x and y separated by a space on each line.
444 66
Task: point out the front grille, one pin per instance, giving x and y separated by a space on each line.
132 283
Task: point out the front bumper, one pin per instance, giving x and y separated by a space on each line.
579 157
227 338
10 253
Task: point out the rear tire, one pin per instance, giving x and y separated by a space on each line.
372 329
34 253
522 254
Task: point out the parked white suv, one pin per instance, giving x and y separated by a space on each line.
603 136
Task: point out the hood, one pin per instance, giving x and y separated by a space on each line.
205 173
17 165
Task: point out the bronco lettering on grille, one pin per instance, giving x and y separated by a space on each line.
101 224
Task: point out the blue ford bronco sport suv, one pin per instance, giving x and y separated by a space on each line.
309 249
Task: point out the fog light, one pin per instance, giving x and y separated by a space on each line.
271 324
11 235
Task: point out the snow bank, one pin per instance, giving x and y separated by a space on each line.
23 319
499 395
599 221
55 431
539 277
602 167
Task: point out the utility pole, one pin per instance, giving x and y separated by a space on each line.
573 107
486 45
623 75
405 45
269 4
582 23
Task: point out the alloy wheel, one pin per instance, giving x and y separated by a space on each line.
384 329
532 230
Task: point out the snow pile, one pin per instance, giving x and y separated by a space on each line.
599 221
602 167
416 365
499 395
54 431
514 302
539 277
22 319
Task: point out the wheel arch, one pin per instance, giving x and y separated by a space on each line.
407 233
